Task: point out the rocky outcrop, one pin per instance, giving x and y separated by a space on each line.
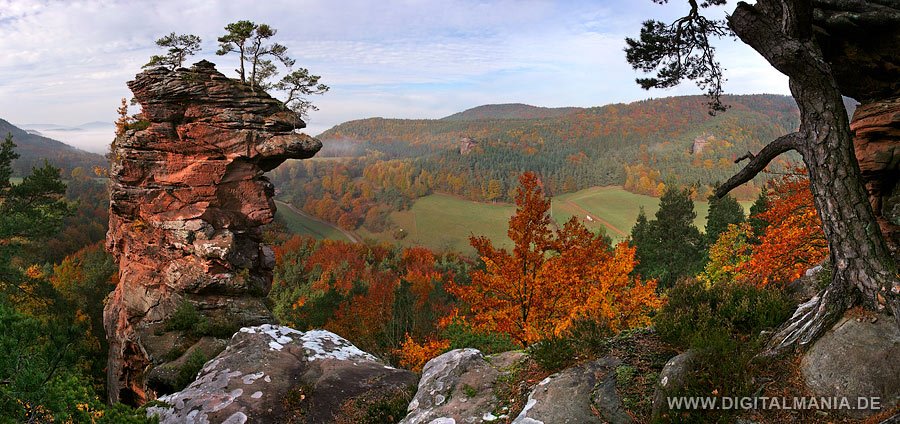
467 145
672 379
856 358
876 139
458 387
188 200
274 374
578 395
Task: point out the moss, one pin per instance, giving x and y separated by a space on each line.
469 391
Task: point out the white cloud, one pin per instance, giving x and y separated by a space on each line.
67 62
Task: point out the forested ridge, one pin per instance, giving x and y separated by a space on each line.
385 164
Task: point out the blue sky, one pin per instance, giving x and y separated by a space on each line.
67 62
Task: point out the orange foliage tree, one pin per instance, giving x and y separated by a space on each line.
552 278
791 242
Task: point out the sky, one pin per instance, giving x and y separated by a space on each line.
67 62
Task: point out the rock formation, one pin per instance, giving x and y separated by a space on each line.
273 374
876 129
187 204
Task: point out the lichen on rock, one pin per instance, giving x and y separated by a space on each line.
313 377
187 204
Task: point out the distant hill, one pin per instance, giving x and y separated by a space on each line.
510 111
637 145
34 148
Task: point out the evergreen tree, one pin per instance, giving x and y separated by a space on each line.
759 207
180 47
722 212
670 246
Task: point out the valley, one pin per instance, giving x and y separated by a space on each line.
443 222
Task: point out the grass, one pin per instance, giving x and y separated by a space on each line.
617 209
15 180
442 222
299 224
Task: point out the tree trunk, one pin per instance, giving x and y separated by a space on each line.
781 32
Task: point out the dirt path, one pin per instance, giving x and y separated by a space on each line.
350 236
596 218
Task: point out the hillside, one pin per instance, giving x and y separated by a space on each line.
510 111
34 148
380 166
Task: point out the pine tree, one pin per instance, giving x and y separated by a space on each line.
722 212
670 246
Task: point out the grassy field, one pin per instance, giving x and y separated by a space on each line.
15 180
443 222
617 209
299 224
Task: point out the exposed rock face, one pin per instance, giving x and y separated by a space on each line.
273 374
700 143
876 128
187 204
856 358
572 395
467 145
458 387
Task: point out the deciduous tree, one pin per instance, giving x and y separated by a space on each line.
550 279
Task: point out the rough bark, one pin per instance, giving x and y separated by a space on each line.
780 31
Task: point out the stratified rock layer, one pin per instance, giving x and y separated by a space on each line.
876 139
187 204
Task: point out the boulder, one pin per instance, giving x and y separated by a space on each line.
271 374
458 387
188 199
856 358
572 395
672 379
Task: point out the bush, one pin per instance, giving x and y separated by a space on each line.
553 354
185 318
188 372
722 323
701 317
462 335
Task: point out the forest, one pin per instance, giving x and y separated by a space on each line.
408 305
383 165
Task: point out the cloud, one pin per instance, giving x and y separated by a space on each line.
67 62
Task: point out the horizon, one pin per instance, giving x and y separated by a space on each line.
426 60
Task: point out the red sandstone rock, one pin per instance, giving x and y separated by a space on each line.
188 201
876 129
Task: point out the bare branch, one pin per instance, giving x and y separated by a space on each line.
758 163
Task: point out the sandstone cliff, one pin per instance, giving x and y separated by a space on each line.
187 204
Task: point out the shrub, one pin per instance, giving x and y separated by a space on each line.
700 317
188 372
553 354
185 318
462 335
722 323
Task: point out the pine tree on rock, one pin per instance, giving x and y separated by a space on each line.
794 37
